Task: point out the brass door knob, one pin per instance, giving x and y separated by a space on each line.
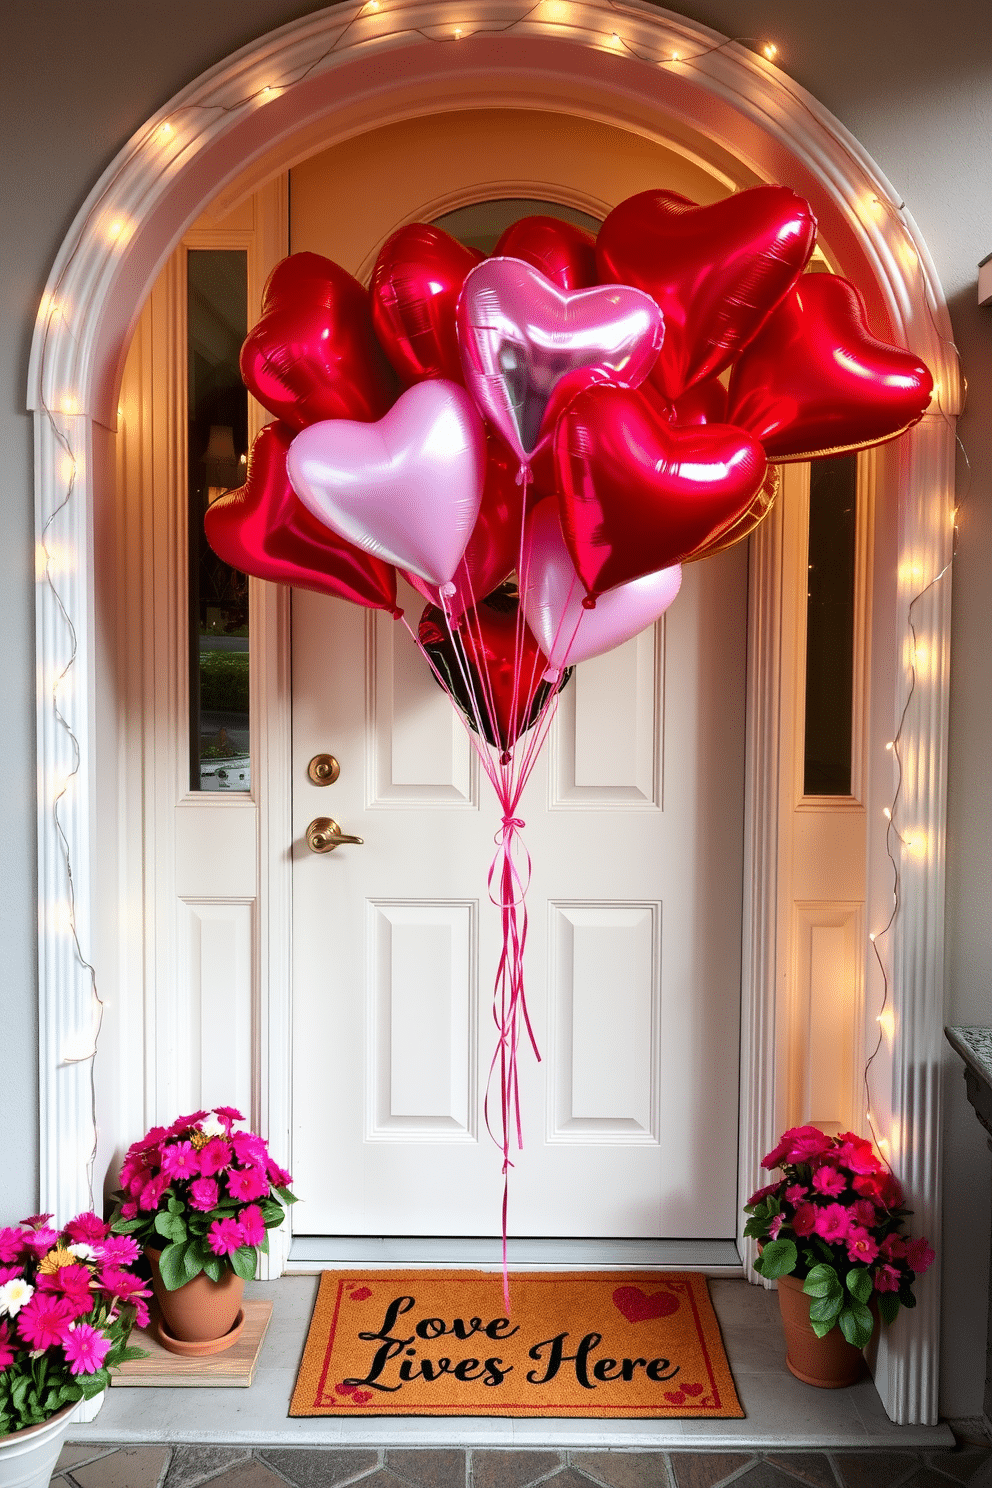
324 835
323 769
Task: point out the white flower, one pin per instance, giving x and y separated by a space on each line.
84 1252
212 1126
13 1296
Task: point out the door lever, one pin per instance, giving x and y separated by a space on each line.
324 835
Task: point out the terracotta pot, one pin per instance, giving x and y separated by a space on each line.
28 1457
829 1362
202 1317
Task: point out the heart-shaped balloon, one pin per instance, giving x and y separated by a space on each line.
264 529
637 493
494 675
493 550
313 354
815 381
406 489
703 403
755 514
566 631
564 253
717 272
414 289
520 336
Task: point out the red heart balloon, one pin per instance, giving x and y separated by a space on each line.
414 289
637 493
264 529
703 403
313 354
494 548
566 254
815 381
485 673
717 272
752 517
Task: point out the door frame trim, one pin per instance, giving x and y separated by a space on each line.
334 74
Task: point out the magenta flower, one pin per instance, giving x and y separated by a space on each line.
186 1123
228 1115
775 1225
794 1194
804 1219
755 1198
180 1160
832 1222
7 1350
36 1221
247 1183
10 1273
44 1320
152 1192
886 1279
893 1247
860 1246
863 1212
249 1149
126 1288
85 1348
252 1224
150 1140
919 1256
120 1250
87 1229
281 1179
41 1242
827 1180
855 1154
204 1194
12 1245
129 1209
215 1156
225 1236
74 1284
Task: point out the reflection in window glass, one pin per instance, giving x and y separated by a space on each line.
217 321
833 490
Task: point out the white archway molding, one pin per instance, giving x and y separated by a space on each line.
333 75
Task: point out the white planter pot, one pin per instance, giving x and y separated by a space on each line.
28 1457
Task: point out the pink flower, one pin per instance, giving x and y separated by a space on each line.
152 1192
10 1273
794 1193
74 1284
860 1246
215 1156
827 1180
87 1229
44 1320
225 1235
85 1348
120 1249
228 1115
252 1224
12 1244
832 1222
126 1288
281 1179
204 1194
186 1123
919 1256
179 1160
775 1226
36 1221
855 1154
798 1144
755 1198
886 1279
41 1242
154 1138
863 1212
893 1247
129 1209
7 1350
247 1183
804 1219
249 1149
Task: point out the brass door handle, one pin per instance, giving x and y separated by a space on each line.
324 835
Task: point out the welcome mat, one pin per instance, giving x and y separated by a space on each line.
586 1343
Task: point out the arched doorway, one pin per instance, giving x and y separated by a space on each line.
333 76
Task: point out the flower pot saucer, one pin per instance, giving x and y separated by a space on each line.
199 1348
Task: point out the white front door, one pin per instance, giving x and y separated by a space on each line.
634 827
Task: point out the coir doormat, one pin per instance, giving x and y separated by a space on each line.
588 1343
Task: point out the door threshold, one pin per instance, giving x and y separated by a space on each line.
330 1252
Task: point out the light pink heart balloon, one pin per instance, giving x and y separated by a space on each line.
519 336
553 593
406 489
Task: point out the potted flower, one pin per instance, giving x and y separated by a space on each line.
831 1235
68 1301
200 1196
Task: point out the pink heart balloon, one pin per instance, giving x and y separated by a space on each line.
406 489
553 593
519 336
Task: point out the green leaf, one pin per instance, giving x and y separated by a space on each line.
132 1352
856 1324
823 1281
92 1384
888 1306
822 1329
171 1225
286 1196
243 1262
213 1267
859 1283
128 1226
175 1205
192 1260
777 1259
172 1266
825 1309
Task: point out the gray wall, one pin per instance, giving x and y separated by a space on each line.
912 81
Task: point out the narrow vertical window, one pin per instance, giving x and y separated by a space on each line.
217 323
833 489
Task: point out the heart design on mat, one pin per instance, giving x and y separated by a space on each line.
717 272
313 354
675 1397
520 336
361 1293
800 386
693 1390
638 494
264 529
638 1306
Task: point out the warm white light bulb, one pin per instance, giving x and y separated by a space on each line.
770 50
886 813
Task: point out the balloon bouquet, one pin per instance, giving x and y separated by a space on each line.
537 441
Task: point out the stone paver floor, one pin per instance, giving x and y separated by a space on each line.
107 1466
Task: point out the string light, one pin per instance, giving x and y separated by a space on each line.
770 50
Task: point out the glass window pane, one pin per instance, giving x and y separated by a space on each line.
833 488
217 321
